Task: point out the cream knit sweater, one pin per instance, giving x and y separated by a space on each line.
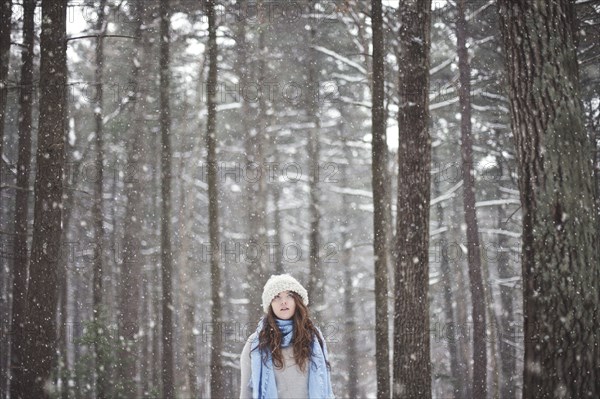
291 382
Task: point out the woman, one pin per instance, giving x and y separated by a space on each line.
286 357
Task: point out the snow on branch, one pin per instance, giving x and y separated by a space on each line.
498 202
502 232
341 58
447 195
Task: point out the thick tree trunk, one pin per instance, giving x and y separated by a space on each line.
40 328
473 245
217 381
168 386
19 285
560 243
381 203
412 365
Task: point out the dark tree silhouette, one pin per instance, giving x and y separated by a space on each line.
412 365
381 203
560 243
19 288
468 178
40 327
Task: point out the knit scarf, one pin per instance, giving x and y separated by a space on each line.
262 380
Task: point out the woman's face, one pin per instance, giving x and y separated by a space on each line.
284 305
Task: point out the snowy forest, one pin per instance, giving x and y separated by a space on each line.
429 170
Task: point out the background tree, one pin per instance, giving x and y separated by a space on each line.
216 359
168 385
5 28
380 203
313 150
473 245
40 326
131 272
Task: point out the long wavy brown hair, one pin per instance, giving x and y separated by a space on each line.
269 338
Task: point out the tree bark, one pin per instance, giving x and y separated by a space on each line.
381 204
130 285
412 365
560 250
100 355
168 386
40 327
473 245
217 382
19 286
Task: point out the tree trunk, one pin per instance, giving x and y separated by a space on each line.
19 286
316 277
40 328
65 329
168 386
473 245
254 176
187 295
458 380
98 316
492 328
130 285
560 250
412 365
217 382
63 369
381 205
5 29
461 332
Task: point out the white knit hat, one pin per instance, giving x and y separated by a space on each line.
282 282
